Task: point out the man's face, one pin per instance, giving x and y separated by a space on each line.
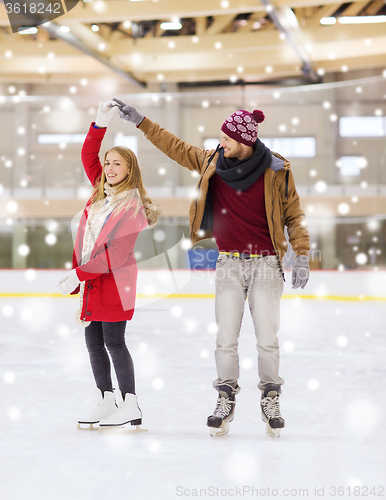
232 148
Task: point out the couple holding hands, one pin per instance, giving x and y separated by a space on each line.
245 196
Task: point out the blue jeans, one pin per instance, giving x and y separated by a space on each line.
260 279
111 335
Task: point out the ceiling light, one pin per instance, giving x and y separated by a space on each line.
28 31
94 27
326 21
64 29
99 6
171 26
362 19
136 58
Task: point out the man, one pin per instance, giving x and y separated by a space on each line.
244 198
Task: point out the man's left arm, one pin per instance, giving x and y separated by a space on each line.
295 220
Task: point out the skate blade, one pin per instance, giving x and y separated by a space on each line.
275 433
120 429
219 431
89 428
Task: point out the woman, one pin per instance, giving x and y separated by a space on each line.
104 268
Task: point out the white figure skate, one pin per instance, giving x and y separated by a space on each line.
127 412
105 407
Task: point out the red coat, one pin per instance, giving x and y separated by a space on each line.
111 274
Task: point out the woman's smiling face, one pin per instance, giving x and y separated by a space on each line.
115 167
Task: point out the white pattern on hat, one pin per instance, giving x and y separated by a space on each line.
247 137
231 127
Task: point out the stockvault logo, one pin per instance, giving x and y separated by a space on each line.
25 14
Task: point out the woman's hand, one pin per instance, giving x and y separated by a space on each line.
106 111
69 282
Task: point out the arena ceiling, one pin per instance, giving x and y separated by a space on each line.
225 41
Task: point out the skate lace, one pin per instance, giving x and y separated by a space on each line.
223 408
100 405
271 407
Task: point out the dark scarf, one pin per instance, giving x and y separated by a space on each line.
240 174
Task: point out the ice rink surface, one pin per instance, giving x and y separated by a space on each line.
332 359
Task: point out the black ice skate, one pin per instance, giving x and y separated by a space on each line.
270 411
218 423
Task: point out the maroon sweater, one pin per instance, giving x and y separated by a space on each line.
239 218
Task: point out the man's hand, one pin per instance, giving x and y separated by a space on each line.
105 112
129 113
301 271
69 282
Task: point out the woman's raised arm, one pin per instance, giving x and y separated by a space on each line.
92 144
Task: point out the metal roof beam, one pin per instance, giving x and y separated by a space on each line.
74 41
286 22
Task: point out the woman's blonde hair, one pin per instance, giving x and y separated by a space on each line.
133 182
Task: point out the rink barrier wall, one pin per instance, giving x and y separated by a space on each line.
355 285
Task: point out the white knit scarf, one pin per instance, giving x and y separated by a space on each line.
97 217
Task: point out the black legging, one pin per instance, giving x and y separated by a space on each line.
102 334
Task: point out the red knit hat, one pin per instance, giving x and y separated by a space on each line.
242 126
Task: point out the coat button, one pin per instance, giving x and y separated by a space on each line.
90 287
88 313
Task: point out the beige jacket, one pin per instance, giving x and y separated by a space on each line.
281 199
